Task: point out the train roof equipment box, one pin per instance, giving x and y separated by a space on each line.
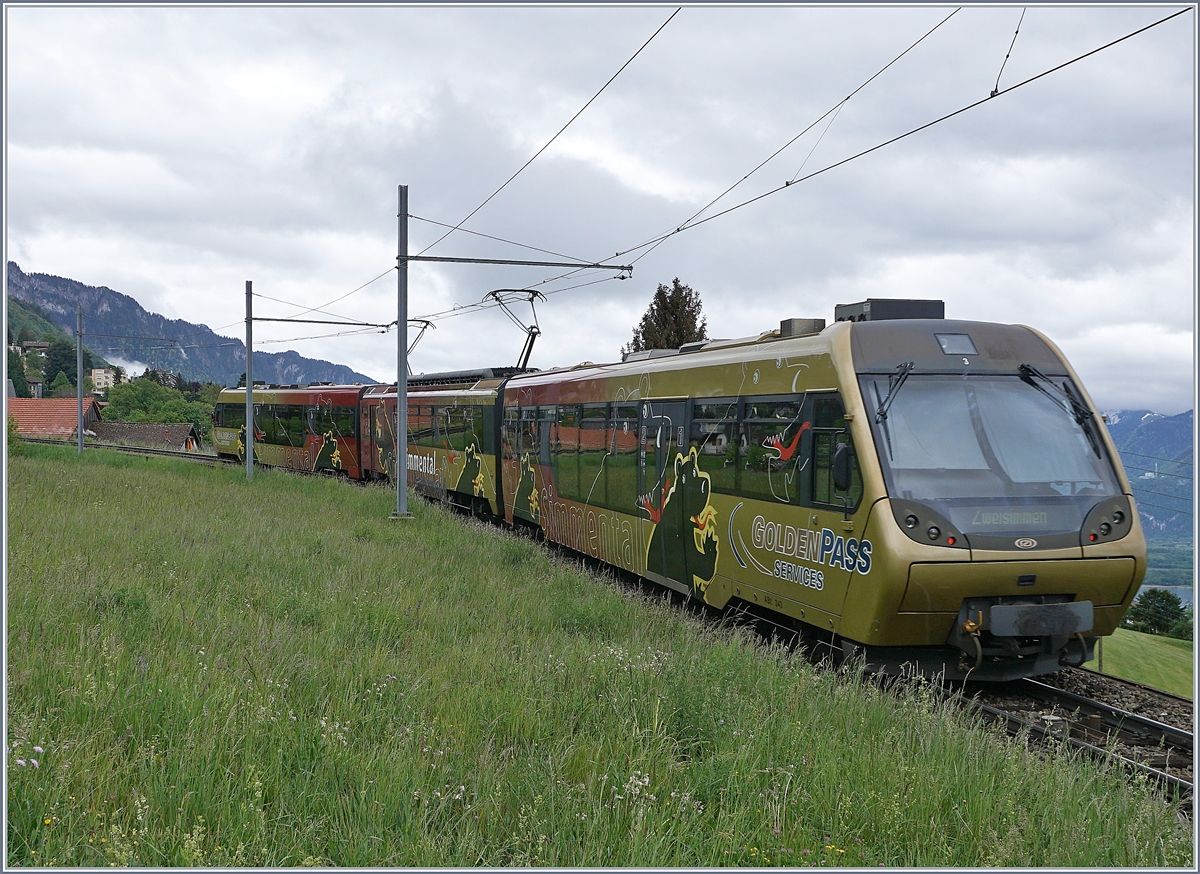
876 310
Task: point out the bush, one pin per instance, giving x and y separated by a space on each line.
16 446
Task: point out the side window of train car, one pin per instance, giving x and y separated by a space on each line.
420 426
773 448
233 416
715 437
546 419
620 467
338 421
512 431
564 451
485 429
284 424
527 433
829 429
456 422
592 439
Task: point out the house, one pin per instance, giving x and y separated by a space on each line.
52 417
181 436
103 378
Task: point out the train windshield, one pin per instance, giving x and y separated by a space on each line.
960 443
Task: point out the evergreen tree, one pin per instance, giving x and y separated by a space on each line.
62 387
675 316
60 358
16 372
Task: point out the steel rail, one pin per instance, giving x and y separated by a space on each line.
1175 786
204 457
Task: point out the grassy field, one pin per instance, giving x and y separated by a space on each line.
211 673
1161 662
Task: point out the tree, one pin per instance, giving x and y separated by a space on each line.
146 400
1182 630
1156 611
62 387
16 372
26 335
60 358
675 316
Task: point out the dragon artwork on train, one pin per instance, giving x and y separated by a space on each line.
684 544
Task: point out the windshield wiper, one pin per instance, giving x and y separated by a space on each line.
1074 405
895 380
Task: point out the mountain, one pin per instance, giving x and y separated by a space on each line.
1156 451
22 315
168 344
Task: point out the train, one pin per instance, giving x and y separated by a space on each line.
932 495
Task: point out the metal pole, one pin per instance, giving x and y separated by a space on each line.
79 372
249 383
400 465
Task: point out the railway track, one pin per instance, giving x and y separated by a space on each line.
1147 731
1158 751
202 457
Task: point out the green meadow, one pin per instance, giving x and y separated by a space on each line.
214 673
1161 662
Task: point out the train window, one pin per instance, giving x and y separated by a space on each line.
457 424
421 430
620 467
592 439
485 429
829 429
715 437
527 432
338 421
284 424
564 452
233 416
774 445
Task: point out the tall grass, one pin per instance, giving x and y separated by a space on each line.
1162 662
210 672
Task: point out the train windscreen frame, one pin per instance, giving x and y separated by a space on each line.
992 453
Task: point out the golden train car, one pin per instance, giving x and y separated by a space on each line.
933 493
300 427
451 436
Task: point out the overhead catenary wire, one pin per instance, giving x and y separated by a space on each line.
832 111
996 89
1158 473
300 306
555 137
500 239
898 138
1160 494
1155 457
1164 509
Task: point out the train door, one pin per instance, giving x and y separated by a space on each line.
662 438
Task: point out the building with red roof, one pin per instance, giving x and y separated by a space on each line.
52 417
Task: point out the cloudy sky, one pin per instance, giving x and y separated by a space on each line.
173 153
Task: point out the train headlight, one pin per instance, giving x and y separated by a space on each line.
1118 517
934 532
1105 529
911 521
